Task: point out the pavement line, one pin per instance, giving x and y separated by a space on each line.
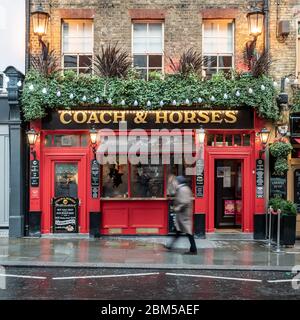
283 280
212 277
21 276
108 276
291 252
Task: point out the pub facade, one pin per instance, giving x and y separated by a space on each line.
117 184
103 163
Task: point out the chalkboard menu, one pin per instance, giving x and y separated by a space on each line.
278 187
199 179
65 215
260 178
95 178
34 173
297 189
172 217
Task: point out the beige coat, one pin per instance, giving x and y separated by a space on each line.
183 209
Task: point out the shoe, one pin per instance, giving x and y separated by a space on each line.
191 252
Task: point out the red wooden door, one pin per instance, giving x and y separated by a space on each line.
247 177
64 175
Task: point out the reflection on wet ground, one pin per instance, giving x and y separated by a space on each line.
143 252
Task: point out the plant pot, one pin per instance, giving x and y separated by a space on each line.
287 229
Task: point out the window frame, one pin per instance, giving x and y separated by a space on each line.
232 55
148 22
63 54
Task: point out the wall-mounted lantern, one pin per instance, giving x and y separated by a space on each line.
264 135
201 135
93 139
255 22
32 136
40 21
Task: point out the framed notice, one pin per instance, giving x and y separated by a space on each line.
95 178
260 178
34 173
199 179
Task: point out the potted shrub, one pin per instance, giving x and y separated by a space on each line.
287 221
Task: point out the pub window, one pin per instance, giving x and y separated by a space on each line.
229 140
175 169
115 181
66 180
147 48
237 140
246 139
77 45
147 180
218 45
211 140
64 140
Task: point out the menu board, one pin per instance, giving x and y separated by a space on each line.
65 215
278 187
260 178
95 178
297 189
34 173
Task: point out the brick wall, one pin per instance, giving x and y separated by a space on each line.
112 22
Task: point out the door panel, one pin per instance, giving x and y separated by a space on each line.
64 176
228 193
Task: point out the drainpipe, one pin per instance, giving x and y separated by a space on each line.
266 9
267 25
27 37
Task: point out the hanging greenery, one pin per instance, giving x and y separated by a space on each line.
67 91
280 150
296 101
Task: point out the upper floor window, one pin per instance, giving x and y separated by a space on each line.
77 45
147 47
3 82
218 45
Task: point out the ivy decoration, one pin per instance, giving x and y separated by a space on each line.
280 150
83 90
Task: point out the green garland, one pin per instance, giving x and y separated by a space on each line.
69 91
280 150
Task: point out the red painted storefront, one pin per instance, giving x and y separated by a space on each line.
136 215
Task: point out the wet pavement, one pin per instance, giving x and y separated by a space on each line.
144 284
145 252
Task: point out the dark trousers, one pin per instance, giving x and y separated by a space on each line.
178 234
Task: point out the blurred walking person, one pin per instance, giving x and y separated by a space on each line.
184 215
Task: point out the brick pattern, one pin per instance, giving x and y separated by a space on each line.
183 25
